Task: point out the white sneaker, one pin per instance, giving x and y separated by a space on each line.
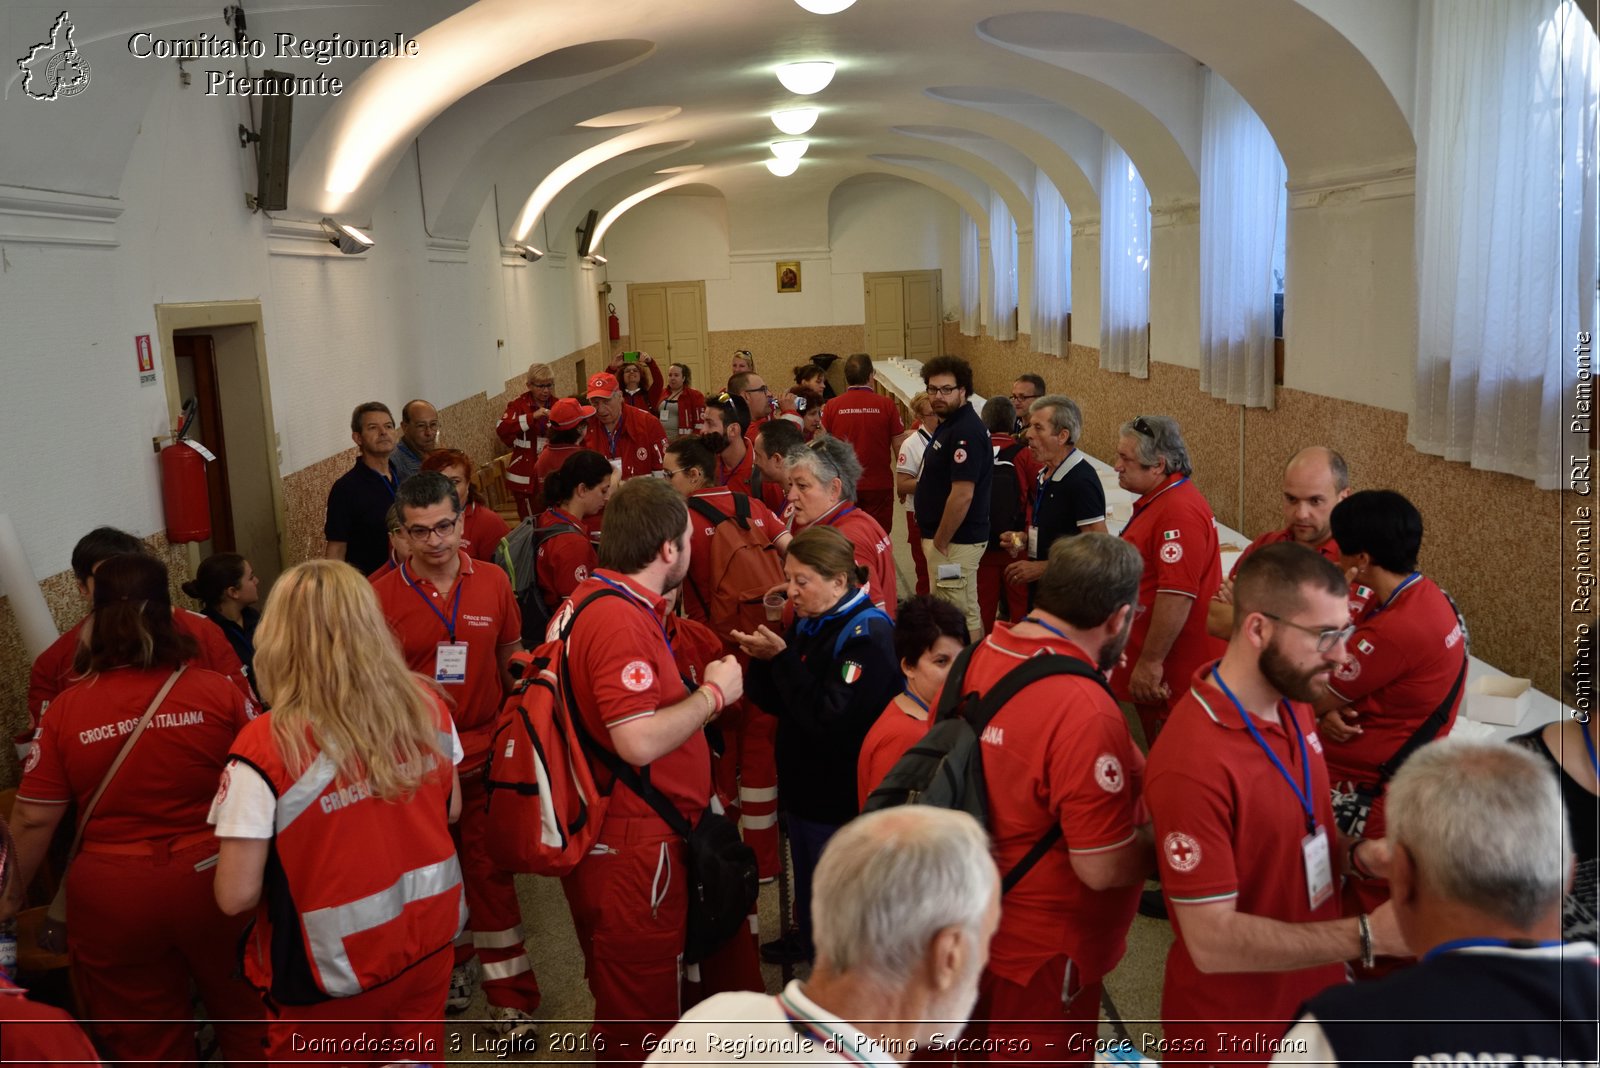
513 1022
463 981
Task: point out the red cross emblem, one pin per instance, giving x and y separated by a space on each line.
1183 852
638 676
1108 773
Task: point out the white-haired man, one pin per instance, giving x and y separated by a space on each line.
903 907
1479 856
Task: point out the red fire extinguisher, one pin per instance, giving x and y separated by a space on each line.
184 496
613 322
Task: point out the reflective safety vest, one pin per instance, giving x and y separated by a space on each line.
357 889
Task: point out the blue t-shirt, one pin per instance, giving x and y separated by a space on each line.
959 452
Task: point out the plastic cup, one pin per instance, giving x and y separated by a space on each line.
774 602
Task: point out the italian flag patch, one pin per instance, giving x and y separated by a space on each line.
850 671
1168 535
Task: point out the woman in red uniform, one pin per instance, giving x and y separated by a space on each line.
928 636
577 491
482 526
683 407
642 392
142 922
822 488
347 787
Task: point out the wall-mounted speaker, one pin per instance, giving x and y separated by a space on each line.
272 152
585 231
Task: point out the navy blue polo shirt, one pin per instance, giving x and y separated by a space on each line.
959 452
358 507
1068 498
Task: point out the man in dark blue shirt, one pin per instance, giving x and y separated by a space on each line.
952 501
1068 498
359 502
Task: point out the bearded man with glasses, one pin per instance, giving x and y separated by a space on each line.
458 623
952 498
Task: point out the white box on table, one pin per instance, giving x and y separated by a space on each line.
1498 699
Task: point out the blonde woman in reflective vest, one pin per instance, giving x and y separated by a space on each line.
333 814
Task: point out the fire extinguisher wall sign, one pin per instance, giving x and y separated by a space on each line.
612 322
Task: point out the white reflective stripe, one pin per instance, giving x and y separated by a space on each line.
754 921
326 929
759 823
305 791
522 420
716 805
511 936
758 793
505 969
691 973
521 480
662 879
522 443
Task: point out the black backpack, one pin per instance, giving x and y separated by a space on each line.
946 767
1005 495
518 555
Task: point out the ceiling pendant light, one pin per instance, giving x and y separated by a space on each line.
824 7
790 149
806 78
783 167
795 121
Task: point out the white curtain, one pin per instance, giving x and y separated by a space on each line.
1124 265
1242 206
971 274
1003 255
1052 267
1505 230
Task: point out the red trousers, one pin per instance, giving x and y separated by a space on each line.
140 929
402 1020
1053 1014
629 899
747 780
919 558
991 580
493 914
879 504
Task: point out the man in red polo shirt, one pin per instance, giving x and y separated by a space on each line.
1315 480
751 388
631 438
52 669
772 443
457 623
871 424
724 434
629 896
1176 535
1060 757
1407 654
1245 842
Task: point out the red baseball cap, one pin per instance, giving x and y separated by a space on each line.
569 412
602 385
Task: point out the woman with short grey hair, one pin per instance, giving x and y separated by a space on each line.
822 487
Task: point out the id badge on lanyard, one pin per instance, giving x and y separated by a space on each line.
1318 865
1033 543
450 662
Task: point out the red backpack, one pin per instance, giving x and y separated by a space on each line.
744 566
544 808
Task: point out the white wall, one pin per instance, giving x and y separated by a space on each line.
871 225
400 321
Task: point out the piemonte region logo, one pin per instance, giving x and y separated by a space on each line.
55 69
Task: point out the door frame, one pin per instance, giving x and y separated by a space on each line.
699 286
868 277
171 318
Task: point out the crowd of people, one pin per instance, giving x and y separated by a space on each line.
298 840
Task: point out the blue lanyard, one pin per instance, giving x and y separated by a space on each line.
1139 511
920 703
841 514
734 470
574 520
1303 795
1502 943
631 596
1036 621
1389 600
1045 478
455 607
611 438
1588 743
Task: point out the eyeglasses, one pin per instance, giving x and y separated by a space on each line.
1142 426
442 528
425 426
665 470
1327 637
758 389
943 391
742 352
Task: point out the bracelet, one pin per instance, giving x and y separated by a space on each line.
1365 928
717 695
1353 863
711 703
